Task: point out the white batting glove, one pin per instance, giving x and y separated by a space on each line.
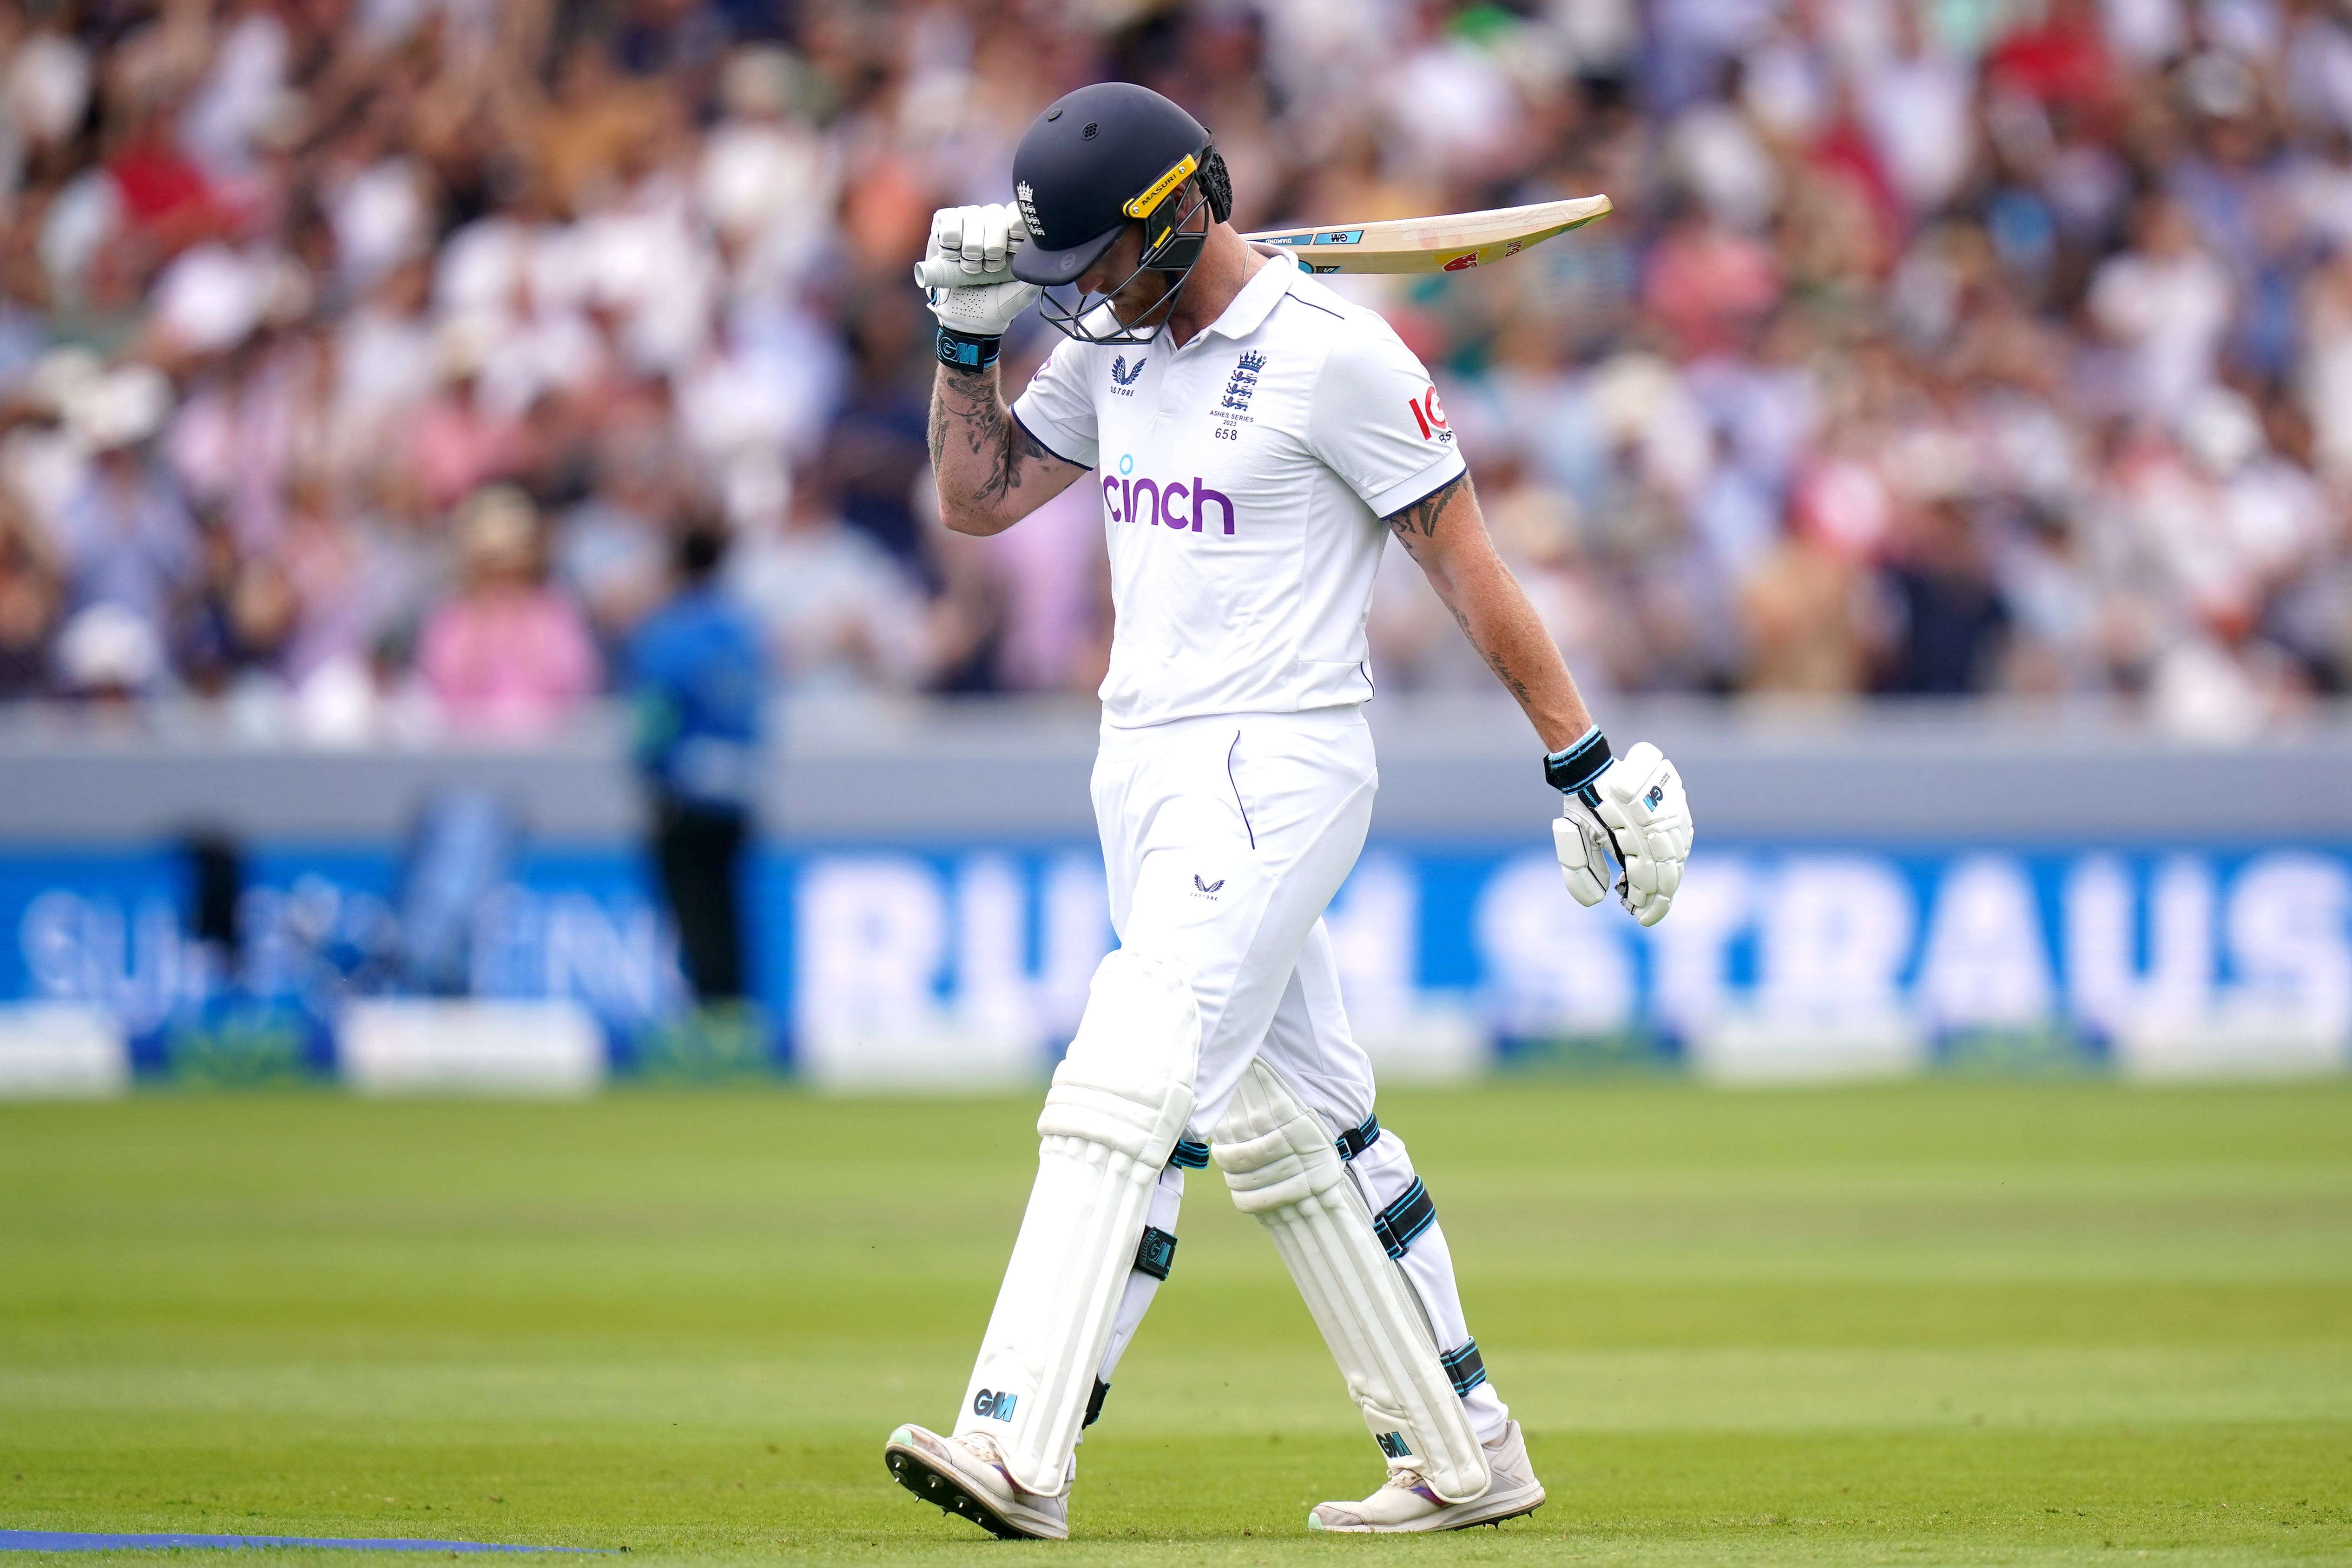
966 271
1586 858
1633 809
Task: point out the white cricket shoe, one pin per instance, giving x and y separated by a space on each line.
1405 1504
967 1475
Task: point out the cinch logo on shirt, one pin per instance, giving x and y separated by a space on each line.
1127 500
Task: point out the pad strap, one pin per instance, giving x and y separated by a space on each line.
1156 1255
1356 1139
1466 1367
1192 1154
1399 1225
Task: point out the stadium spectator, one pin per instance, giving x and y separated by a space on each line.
30 601
614 549
506 655
233 616
456 439
840 614
1950 621
124 532
1888 287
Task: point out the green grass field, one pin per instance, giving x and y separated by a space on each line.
1947 1322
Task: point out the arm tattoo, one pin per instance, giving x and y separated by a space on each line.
1511 682
1419 522
968 400
1021 450
1494 658
938 427
1422 515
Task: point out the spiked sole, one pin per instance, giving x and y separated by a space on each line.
941 1487
1517 1510
1517 1506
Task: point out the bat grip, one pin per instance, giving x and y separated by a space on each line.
938 272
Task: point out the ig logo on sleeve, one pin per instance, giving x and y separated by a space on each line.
1430 414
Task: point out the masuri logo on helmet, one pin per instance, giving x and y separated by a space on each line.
1178 172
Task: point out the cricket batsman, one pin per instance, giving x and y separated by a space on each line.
1250 433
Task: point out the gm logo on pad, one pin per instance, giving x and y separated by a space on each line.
990 1406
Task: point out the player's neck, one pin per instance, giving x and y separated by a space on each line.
1226 264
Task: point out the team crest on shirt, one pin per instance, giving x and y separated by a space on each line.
1123 379
1233 407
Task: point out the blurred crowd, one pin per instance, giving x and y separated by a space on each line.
361 359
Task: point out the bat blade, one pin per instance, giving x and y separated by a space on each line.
1455 242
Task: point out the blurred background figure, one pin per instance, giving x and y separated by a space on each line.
693 672
124 531
1911 326
30 600
840 614
506 654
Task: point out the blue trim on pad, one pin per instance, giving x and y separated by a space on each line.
84 1541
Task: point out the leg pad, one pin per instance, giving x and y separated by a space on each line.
1286 1170
1111 1123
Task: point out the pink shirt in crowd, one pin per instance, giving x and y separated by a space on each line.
509 663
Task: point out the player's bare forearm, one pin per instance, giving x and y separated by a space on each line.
1446 536
990 472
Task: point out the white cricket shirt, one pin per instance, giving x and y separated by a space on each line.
1244 477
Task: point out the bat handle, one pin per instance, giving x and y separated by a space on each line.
938 272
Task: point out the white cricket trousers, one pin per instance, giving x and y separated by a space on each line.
1224 841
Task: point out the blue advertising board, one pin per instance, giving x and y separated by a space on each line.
882 963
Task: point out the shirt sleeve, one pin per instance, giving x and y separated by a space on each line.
1058 405
1376 421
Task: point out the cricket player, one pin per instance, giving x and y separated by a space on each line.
1250 433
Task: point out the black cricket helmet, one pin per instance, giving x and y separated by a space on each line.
1098 160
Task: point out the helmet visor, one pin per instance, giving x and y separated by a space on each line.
1032 263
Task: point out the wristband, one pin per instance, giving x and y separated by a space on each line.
1573 770
962 351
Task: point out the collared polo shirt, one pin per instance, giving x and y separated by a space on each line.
1243 478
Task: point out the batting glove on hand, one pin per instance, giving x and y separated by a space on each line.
1633 810
966 271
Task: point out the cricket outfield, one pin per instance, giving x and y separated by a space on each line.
1953 1321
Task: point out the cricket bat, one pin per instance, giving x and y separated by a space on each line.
1455 242
1452 243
